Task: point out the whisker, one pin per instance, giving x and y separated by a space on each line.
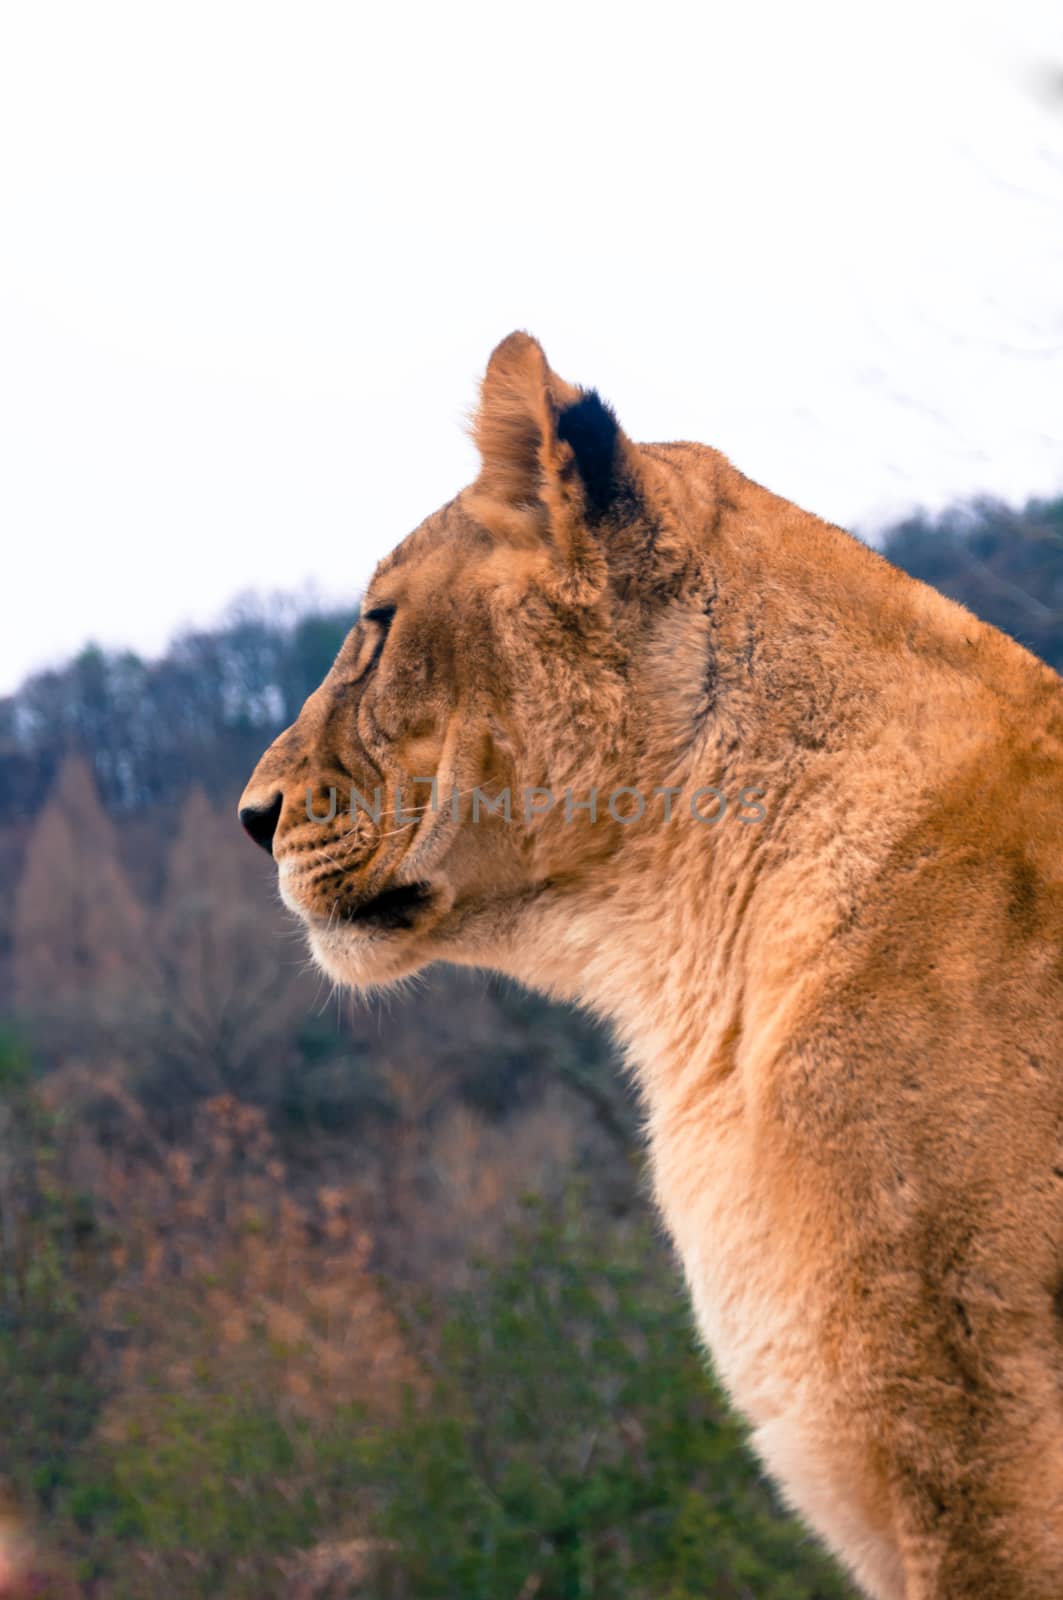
418 808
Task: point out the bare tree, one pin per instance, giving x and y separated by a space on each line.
77 926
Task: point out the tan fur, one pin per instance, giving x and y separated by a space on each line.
846 1019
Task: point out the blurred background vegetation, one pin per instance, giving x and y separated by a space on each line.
304 1298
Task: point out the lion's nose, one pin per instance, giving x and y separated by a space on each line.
260 820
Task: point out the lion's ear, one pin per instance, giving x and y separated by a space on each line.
554 461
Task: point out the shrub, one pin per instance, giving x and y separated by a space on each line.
575 1445
49 1389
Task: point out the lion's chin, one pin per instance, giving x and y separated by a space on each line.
380 940
367 960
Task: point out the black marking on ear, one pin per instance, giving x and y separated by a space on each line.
591 428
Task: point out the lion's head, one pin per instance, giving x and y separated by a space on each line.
540 638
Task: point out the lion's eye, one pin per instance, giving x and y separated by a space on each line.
381 615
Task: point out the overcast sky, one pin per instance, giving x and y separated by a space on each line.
254 258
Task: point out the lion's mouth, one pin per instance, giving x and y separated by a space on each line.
397 907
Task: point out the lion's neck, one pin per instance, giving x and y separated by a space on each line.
679 952
839 697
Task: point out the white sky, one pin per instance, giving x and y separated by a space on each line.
253 259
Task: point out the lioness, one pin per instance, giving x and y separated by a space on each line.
794 823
